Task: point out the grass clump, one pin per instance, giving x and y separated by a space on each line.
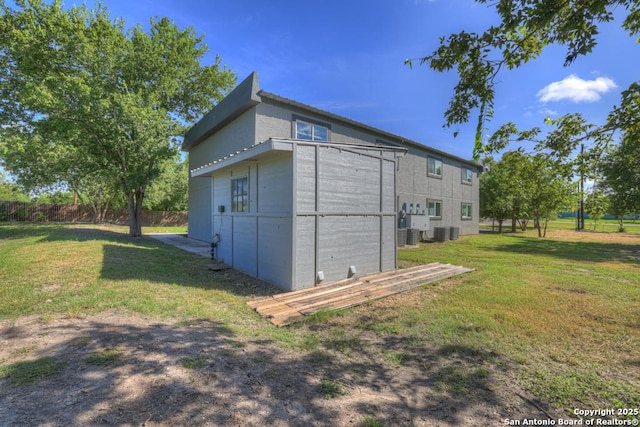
331 389
197 362
105 357
370 421
27 372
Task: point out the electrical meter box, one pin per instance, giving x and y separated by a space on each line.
420 222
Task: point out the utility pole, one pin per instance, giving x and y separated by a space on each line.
581 218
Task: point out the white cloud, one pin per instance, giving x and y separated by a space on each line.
575 89
541 111
548 112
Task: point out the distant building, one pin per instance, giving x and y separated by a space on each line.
299 196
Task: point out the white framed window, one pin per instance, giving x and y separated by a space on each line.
310 130
467 176
434 167
240 195
434 209
466 211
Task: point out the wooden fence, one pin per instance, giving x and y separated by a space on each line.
54 212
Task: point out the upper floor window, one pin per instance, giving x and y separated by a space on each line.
467 175
434 167
309 130
240 195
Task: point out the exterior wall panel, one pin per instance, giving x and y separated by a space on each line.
275 255
245 233
388 258
348 182
305 254
306 178
200 208
346 241
239 134
275 184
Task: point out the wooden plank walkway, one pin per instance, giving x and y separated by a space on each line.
282 309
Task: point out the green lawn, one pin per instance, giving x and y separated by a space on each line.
602 225
560 316
566 308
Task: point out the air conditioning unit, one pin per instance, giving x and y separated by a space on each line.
413 236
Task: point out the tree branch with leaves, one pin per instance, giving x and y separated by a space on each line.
79 79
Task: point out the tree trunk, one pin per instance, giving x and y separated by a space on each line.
500 226
134 205
513 225
523 224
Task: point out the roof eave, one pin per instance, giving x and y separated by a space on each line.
240 99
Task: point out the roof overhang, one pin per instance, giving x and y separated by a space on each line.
239 100
280 144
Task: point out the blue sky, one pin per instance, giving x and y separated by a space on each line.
348 56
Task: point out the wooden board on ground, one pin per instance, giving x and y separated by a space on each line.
282 309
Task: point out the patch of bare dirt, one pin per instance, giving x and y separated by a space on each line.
168 374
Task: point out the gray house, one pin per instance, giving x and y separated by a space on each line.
299 196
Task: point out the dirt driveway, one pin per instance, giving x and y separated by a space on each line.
120 369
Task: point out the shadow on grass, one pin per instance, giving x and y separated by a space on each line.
155 261
11 230
574 251
144 258
240 382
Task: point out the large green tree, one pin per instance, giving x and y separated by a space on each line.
524 30
170 191
117 99
524 186
504 191
621 177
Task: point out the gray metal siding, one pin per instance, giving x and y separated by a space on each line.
305 254
222 222
275 121
388 186
245 233
275 184
348 182
346 241
272 122
388 234
274 250
200 208
306 178
345 212
415 186
257 242
239 134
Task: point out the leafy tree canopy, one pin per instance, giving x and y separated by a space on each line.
10 191
101 100
621 172
526 27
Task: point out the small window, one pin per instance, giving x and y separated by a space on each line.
311 131
466 211
435 209
240 195
467 175
434 167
